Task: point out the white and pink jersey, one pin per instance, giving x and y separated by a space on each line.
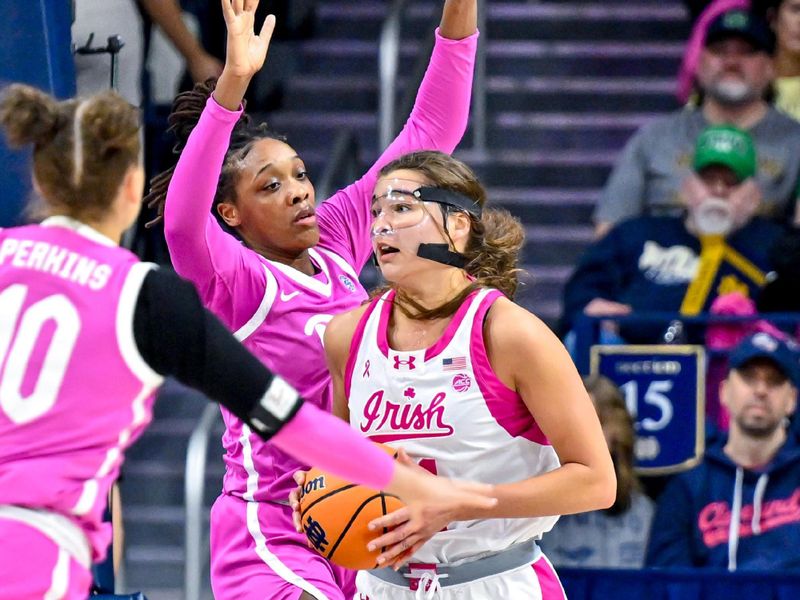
277 312
74 390
446 407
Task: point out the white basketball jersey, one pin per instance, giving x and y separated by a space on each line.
446 407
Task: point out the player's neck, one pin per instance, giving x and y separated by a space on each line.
435 287
301 262
108 228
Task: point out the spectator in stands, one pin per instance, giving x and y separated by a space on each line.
738 508
617 536
682 263
733 78
784 16
104 18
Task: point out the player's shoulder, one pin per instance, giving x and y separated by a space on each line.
509 324
517 337
346 322
339 335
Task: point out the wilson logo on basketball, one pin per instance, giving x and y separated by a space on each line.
385 421
313 485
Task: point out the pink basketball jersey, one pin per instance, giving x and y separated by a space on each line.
74 390
448 409
285 332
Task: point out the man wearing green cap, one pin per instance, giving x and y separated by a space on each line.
734 74
682 263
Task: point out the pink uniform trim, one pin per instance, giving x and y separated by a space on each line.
505 404
451 329
355 344
431 352
383 323
548 580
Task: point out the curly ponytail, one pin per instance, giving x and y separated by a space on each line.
493 250
186 110
495 240
82 148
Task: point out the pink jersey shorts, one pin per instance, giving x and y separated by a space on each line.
256 553
33 566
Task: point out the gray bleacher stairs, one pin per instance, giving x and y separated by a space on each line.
568 83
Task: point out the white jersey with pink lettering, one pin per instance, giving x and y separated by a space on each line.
448 409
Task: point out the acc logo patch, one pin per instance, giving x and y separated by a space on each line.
347 282
462 382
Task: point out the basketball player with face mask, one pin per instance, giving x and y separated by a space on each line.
444 365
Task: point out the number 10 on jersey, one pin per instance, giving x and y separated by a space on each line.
25 395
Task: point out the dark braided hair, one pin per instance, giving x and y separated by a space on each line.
186 111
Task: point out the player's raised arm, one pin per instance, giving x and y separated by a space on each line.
437 121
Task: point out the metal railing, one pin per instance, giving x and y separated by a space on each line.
389 112
196 550
343 166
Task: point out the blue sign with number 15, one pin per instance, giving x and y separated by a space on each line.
664 390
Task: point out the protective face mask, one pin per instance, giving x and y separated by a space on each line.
713 216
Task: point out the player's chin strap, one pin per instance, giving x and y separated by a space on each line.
447 200
441 253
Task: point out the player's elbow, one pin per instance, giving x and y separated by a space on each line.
599 489
605 487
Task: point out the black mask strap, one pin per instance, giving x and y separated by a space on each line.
441 253
449 197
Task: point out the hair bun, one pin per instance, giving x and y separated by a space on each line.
111 124
28 115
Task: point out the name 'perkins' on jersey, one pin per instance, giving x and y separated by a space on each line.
446 407
74 390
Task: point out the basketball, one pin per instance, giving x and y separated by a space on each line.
335 514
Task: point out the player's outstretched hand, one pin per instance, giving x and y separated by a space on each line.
246 50
431 504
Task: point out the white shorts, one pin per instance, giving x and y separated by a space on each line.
534 581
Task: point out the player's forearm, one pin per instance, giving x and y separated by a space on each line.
572 488
440 114
459 19
320 439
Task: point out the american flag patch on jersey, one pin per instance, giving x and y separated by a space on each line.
454 363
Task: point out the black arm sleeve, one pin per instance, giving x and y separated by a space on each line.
178 337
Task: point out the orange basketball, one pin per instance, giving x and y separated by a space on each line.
335 514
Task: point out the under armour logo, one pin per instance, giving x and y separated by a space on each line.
365 374
407 363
